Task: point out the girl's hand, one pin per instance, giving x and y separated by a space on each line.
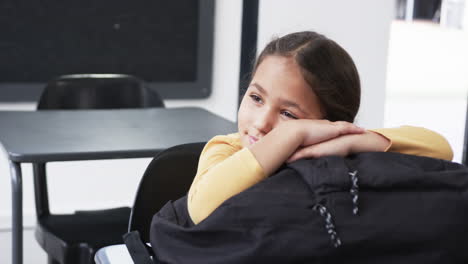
280 143
317 131
339 146
343 146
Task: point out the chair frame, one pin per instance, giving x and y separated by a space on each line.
84 253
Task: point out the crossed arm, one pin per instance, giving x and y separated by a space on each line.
297 139
226 169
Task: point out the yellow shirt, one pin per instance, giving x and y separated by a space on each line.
226 169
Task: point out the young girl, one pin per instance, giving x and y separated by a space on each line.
301 102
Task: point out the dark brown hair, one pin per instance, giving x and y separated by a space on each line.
326 67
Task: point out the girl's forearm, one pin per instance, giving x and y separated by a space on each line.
368 142
279 144
274 149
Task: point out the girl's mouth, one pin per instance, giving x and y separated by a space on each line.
252 140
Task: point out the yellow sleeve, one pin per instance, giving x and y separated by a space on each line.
416 141
225 169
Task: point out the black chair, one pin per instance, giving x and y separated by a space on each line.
165 179
97 91
168 177
74 238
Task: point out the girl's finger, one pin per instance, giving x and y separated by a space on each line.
349 128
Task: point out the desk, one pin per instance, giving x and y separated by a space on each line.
45 136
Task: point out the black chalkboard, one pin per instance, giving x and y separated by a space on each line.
162 42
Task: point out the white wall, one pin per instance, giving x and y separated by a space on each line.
427 84
360 26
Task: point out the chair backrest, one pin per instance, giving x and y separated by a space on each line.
167 177
97 91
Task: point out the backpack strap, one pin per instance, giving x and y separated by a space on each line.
140 253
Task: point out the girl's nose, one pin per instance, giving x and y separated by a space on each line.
265 122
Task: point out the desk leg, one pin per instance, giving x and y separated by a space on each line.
17 198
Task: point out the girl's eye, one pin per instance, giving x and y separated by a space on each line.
288 115
256 98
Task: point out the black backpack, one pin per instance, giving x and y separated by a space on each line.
366 208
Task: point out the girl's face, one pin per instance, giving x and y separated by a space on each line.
278 93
